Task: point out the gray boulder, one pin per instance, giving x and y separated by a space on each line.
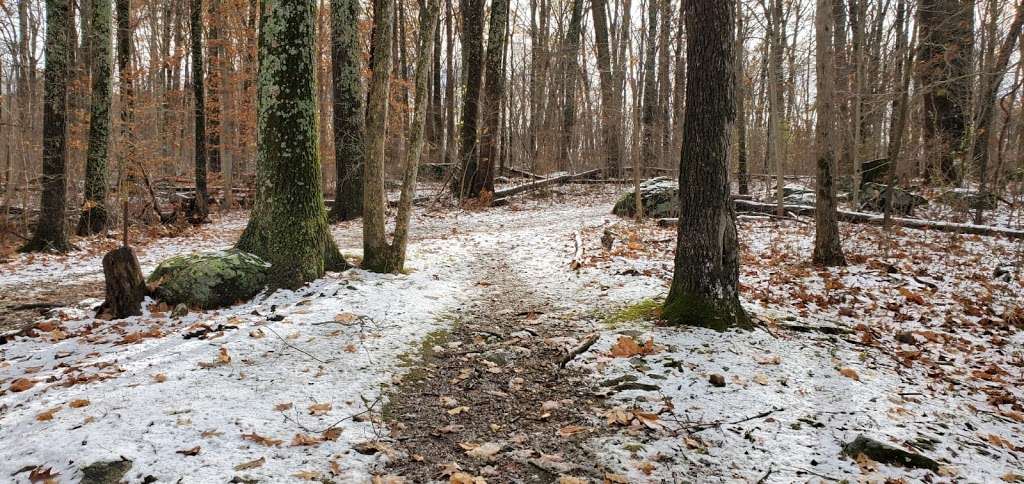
111 472
660 198
209 280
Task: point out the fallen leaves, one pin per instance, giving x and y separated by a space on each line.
849 373
159 377
259 439
627 347
78 403
485 452
319 409
194 451
570 430
21 384
47 415
253 464
283 407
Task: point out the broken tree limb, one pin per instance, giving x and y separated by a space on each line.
580 349
577 257
555 180
873 219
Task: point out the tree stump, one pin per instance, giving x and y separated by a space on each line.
125 286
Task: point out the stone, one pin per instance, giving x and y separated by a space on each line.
179 311
903 202
111 472
660 198
887 454
209 280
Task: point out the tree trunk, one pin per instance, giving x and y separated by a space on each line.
94 211
494 91
126 88
471 180
570 67
741 107
288 227
990 83
943 67
346 75
705 283
828 250
213 106
610 107
51 229
378 254
774 147
900 106
201 210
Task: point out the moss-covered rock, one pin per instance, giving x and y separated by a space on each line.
209 280
660 197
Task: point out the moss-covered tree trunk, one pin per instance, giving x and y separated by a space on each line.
705 283
470 182
94 210
378 254
199 93
827 248
494 90
288 227
346 70
51 229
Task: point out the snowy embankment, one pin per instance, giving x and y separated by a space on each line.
285 385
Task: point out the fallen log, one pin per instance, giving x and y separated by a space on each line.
522 173
873 219
555 180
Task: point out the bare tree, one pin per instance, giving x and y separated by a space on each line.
827 248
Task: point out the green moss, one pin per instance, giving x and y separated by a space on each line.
691 310
209 280
646 310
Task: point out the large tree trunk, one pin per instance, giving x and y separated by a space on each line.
126 94
827 248
213 106
900 106
346 75
94 209
774 148
943 68
570 67
705 283
494 91
471 181
986 104
201 210
741 106
288 227
51 229
378 254
610 106
375 250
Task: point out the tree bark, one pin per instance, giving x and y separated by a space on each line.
470 181
705 283
346 77
570 67
741 106
201 210
943 67
125 286
378 254
828 250
610 106
94 211
494 91
775 143
288 227
50 233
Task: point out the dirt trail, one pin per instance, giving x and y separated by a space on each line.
496 378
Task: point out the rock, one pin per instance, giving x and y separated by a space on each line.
717 380
179 311
903 202
209 280
887 454
105 472
660 198
967 199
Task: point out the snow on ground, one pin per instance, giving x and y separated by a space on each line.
929 357
289 370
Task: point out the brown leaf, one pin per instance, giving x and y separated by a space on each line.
485 451
189 452
849 373
21 384
44 474
320 408
570 430
307 475
251 464
207 434
47 415
259 439
79 403
282 407
159 377
463 478
626 347
306 440
332 433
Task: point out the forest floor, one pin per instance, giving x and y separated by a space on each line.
464 370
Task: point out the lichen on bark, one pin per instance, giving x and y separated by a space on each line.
288 227
94 210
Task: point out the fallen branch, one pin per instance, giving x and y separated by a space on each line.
872 219
577 257
555 180
579 350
